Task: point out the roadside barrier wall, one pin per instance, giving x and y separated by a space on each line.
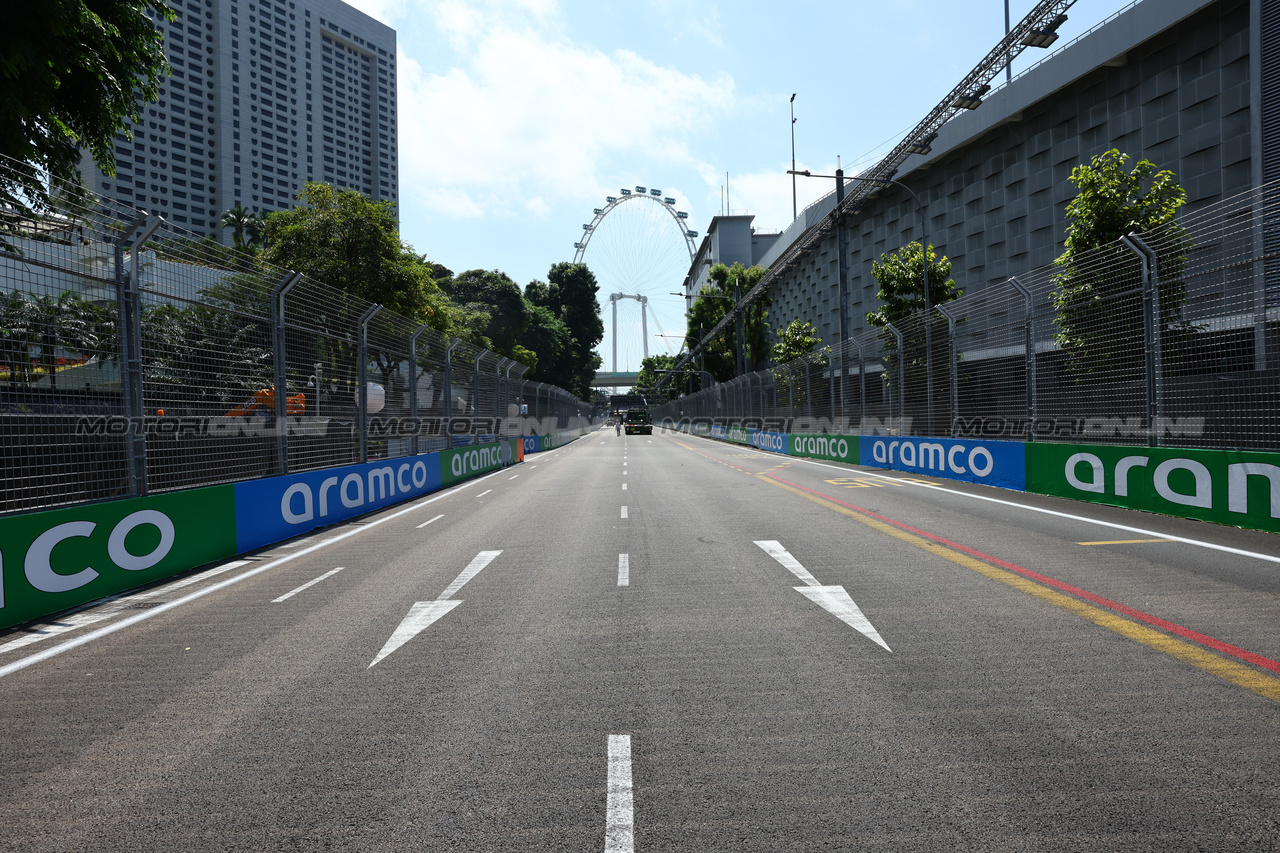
1233 487
58 559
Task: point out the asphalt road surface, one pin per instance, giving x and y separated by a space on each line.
670 644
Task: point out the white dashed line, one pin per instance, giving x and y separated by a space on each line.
624 570
619 832
307 585
425 523
624 512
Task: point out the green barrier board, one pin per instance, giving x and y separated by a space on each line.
1238 488
837 448
738 434
51 561
464 463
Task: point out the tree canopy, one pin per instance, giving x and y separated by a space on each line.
571 294
349 242
715 301
72 73
799 338
494 293
901 278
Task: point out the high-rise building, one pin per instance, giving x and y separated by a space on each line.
265 95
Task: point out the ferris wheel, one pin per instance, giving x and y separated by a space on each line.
640 248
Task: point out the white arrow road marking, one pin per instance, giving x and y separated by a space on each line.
473 568
783 556
619 831
423 613
307 585
624 569
834 599
420 617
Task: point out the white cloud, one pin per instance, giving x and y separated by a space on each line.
527 110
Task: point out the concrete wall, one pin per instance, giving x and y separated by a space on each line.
1169 81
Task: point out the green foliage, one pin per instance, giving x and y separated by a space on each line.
34 328
72 72
652 371
548 337
900 275
246 227
571 294
347 241
799 338
495 294
901 278
1099 289
712 305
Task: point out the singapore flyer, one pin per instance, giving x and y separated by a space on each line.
639 247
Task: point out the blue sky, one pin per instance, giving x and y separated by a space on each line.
517 118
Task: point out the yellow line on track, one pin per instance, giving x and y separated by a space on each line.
1238 674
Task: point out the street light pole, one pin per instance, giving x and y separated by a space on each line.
793 157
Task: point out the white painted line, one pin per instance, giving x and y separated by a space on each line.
473 568
624 487
624 570
619 822
862 472
485 492
531 467
624 512
142 616
306 585
513 477
111 607
425 523
783 556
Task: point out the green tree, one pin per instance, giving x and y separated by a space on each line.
349 242
246 227
72 73
548 337
571 294
652 372
901 294
713 303
494 293
798 339
1099 289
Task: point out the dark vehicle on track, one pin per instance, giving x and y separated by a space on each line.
638 422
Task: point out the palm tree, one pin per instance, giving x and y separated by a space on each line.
244 223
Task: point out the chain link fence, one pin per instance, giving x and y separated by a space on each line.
137 358
1165 338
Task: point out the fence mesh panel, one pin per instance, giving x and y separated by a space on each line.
136 358
1167 337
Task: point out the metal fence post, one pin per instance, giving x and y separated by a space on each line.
497 412
278 294
902 383
129 306
475 395
448 390
413 389
1151 338
362 366
862 384
1030 347
953 362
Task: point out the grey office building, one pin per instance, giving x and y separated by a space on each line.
264 96
1192 85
